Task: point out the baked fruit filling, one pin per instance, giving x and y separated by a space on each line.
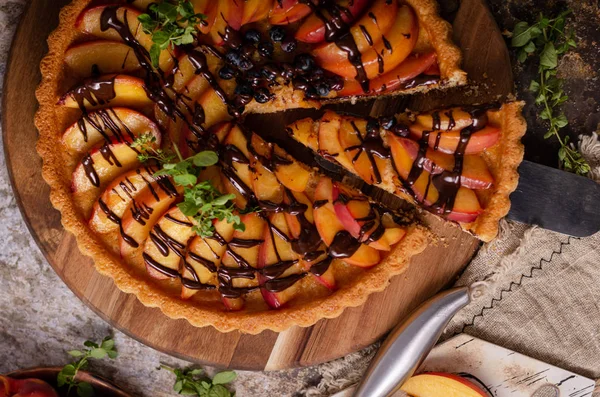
448 161
300 229
265 55
192 212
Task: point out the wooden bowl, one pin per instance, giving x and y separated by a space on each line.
101 386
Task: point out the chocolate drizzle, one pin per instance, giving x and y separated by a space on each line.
308 244
447 182
371 145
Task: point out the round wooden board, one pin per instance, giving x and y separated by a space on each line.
486 61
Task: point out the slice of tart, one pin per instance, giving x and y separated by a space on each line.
460 163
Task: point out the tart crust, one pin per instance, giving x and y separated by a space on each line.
49 120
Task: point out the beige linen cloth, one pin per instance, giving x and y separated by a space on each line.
534 291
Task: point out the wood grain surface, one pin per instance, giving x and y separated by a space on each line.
485 59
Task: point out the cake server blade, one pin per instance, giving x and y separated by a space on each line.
556 200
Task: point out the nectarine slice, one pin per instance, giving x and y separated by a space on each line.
101 57
119 123
118 195
166 247
288 11
103 165
410 68
447 141
289 172
256 10
384 14
438 384
312 30
119 90
141 215
382 57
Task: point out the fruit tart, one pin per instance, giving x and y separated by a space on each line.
140 134
460 162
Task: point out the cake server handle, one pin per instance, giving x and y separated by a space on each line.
409 343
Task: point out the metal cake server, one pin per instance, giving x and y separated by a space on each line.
409 343
556 200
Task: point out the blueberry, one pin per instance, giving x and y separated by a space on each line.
248 50
336 83
269 73
316 74
277 33
323 89
254 76
233 57
311 92
252 36
289 44
287 71
387 122
243 90
245 64
372 127
226 73
304 63
400 130
262 95
265 49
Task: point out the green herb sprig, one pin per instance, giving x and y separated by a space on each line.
144 143
202 201
170 24
68 373
548 40
192 382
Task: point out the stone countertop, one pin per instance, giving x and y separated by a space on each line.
40 318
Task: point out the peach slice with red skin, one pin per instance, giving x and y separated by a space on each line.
129 124
88 22
288 11
329 225
380 58
454 119
344 214
128 92
437 384
275 250
229 13
291 175
215 108
101 56
118 195
466 205
292 220
203 250
410 68
329 141
256 10
209 9
254 231
171 233
447 142
103 165
305 131
242 171
384 13
140 217
475 174
312 30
